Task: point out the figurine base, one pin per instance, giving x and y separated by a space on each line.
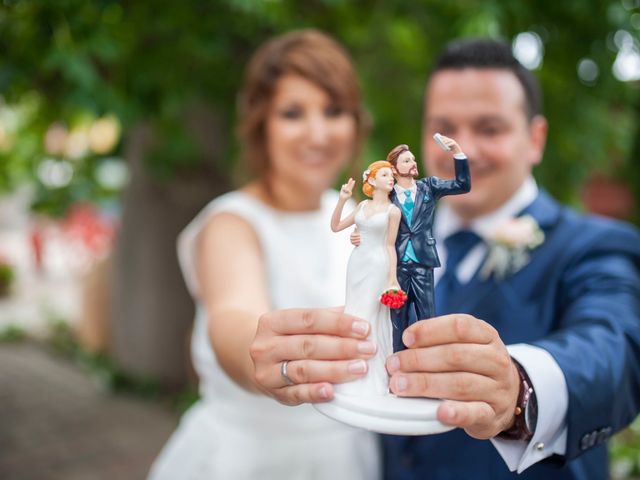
389 414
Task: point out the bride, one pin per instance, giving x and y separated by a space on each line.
371 269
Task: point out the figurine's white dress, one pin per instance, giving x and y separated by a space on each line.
367 278
233 434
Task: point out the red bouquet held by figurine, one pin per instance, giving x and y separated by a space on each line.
393 298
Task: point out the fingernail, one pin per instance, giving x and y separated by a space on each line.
357 366
401 383
408 338
361 328
393 363
323 392
366 347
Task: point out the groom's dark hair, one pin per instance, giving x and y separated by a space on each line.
483 53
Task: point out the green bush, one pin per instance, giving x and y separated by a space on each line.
7 276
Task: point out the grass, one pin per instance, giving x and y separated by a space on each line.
12 334
624 451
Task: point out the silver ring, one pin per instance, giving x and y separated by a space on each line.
283 373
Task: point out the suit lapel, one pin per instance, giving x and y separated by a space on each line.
544 209
394 198
419 202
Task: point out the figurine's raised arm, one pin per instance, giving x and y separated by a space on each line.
462 181
345 194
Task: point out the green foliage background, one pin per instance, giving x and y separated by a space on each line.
148 61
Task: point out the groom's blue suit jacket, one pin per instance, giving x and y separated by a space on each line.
579 299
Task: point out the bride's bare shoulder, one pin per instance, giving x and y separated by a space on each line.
360 205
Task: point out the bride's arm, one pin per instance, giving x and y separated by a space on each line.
345 194
392 233
233 287
251 341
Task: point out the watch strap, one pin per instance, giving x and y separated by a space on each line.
526 411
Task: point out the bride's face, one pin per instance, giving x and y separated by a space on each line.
384 180
309 138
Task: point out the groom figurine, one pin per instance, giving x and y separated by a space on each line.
415 245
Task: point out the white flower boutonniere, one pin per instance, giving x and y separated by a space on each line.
510 245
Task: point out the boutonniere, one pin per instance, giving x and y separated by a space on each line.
509 246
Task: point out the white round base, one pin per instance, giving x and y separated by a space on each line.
386 414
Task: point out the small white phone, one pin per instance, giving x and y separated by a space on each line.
438 138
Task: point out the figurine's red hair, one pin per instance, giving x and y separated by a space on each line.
371 172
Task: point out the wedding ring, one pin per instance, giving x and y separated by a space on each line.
283 373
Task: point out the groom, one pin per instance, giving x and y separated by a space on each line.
415 245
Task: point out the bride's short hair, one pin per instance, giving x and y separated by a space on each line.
371 172
311 54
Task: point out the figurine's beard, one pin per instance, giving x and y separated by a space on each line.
410 174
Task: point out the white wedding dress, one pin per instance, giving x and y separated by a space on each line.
367 279
234 434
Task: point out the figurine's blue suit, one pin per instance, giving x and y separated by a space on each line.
578 298
416 278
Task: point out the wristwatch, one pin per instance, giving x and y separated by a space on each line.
526 412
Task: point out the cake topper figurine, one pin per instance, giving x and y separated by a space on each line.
390 272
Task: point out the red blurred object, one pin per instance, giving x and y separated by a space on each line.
84 223
393 298
37 247
605 196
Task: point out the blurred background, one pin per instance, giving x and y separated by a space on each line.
116 127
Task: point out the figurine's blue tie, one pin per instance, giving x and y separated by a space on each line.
407 210
407 206
458 245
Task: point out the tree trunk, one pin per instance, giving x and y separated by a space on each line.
152 310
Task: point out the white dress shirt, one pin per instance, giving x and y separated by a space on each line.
401 196
547 379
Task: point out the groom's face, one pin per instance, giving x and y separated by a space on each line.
406 165
484 111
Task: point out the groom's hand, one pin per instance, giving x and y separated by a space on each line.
322 347
462 359
354 238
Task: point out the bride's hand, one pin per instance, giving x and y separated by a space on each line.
321 347
347 189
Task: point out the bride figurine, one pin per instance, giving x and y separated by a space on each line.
367 402
371 269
